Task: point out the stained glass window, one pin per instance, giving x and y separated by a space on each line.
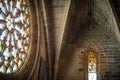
14 34
92 66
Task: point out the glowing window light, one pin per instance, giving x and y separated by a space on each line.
14 34
92 66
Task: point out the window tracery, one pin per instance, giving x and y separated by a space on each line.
14 34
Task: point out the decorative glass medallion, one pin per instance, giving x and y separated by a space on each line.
14 34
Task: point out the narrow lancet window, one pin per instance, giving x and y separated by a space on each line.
92 66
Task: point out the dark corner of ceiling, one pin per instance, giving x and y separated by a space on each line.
116 5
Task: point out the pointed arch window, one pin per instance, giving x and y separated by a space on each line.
92 66
14 34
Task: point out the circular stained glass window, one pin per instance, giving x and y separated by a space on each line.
14 34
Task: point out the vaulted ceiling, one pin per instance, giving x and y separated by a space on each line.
83 13
66 18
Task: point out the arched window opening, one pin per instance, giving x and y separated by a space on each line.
92 75
14 34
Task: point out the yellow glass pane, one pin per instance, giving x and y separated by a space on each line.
91 62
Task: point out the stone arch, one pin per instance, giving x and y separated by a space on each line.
93 46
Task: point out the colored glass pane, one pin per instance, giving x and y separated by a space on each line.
92 66
14 34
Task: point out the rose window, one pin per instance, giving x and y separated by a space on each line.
14 34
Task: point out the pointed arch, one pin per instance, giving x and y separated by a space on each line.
94 48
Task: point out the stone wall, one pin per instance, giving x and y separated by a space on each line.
73 63
103 15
